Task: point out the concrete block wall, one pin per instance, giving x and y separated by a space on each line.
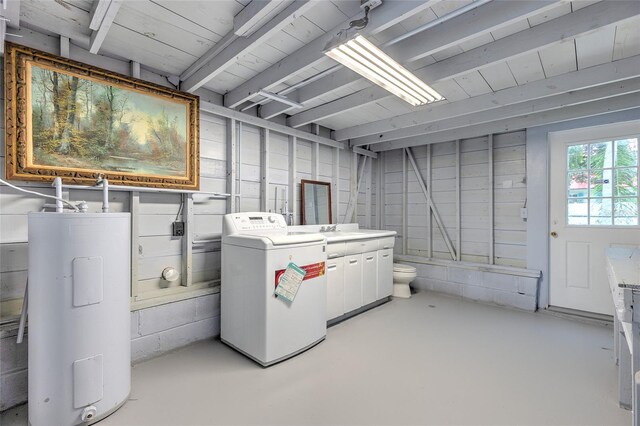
154 331
500 286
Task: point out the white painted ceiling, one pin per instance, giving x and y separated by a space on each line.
169 36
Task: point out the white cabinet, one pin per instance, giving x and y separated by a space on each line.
385 273
369 277
335 287
352 282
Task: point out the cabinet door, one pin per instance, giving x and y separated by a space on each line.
352 282
369 277
385 273
335 288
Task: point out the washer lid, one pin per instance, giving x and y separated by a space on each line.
287 239
399 267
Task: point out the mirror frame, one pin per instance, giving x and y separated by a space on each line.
314 182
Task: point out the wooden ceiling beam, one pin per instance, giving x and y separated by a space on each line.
619 103
459 29
546 34
98 36
243 45
247 21
385 16
404 125
605 91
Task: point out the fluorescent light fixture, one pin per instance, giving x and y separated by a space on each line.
373 64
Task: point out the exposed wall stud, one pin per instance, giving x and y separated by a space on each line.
239 168
134 208
315 160
293 179
264 167
490 200
367 219
429 214
64 46
231 164
135 69
187 240
404 202
379 193
352 206
427 194
335 185
458 209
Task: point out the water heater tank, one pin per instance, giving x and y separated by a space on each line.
79 316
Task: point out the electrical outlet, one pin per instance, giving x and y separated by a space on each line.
178 229
523 213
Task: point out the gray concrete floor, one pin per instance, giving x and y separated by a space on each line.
431 359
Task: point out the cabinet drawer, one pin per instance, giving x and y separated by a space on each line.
361 246
335 250
386 243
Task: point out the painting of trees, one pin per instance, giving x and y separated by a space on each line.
87 124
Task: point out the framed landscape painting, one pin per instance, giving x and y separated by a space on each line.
68 119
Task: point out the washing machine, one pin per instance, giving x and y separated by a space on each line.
256 250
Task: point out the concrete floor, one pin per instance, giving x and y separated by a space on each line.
431 359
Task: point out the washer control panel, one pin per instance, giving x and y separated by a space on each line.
243 222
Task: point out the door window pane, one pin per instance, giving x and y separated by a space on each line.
577 157
578 211
626 182
626 211
600 211
602 183
601 155
578 184
627 152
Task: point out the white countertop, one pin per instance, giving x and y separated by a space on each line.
624 265
349 232
361 234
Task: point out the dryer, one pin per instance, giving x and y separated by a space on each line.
256 249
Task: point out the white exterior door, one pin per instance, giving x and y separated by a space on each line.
593 206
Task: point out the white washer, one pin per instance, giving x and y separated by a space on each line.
256 248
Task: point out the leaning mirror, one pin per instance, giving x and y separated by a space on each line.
316 202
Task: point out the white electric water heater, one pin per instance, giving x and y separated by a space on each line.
79 316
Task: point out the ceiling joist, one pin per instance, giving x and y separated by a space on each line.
606 91
110 11
457 30
589 109
247 21
386 15
243 45
405 125
551 32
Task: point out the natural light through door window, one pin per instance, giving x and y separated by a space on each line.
602 183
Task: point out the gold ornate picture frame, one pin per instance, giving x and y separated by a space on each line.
68 119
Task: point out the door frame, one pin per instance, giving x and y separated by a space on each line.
538 149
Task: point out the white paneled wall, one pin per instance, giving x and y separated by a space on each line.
167 315
478 193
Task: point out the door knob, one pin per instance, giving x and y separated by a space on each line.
554 234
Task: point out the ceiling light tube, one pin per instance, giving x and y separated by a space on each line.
401 79
398 67
366 73
361 56
365 61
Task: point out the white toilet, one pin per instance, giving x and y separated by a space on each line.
402 277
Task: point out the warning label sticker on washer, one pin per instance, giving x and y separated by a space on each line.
312 270
289 281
